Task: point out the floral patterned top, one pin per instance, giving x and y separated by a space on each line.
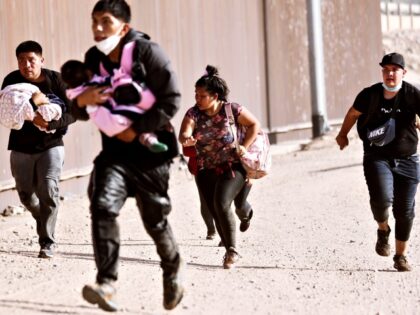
215 143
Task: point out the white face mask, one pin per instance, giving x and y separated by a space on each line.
392 89
108 44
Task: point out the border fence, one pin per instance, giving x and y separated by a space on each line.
400 14
260 46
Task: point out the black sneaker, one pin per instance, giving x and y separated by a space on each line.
401 263
382 245
246 222
47 251
173 290
101 294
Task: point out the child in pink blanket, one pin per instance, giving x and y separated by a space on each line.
128 99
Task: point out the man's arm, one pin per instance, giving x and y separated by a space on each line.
8 80
349 121
67 118
161 80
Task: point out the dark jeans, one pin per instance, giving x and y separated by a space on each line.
242 208
37 177
110 185
393 182
218 192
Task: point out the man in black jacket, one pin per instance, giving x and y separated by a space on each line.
125 168
37 157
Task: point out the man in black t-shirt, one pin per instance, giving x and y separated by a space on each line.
37 157
386 122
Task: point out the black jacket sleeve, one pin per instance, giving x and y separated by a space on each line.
59 89
8 80
79 113
161 80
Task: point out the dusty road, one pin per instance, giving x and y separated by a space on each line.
309 250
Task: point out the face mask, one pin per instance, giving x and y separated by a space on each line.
394 89
108 44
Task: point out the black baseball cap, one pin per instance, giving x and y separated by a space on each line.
393 59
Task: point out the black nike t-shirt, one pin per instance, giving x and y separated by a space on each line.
376 110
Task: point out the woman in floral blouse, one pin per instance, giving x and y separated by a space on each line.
220 176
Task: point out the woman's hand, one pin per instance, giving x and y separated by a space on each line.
242 150
93 96
188 142
186 132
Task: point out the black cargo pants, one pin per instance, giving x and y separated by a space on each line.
110 184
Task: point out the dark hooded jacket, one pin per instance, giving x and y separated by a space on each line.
151 66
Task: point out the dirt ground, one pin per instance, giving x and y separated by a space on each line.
309 250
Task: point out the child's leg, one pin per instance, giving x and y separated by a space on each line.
150 140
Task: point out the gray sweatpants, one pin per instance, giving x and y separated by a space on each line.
37 177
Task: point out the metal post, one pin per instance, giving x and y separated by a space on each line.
316 64
272 136
410 9
399 13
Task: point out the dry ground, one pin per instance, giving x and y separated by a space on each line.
309 250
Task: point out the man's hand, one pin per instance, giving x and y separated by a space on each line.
127 135
40 122
342 141
93 96
417 122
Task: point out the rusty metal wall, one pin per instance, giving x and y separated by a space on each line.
352 51
227 34
260 47
288 67
63 29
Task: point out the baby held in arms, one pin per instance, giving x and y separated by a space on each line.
23 101
127 100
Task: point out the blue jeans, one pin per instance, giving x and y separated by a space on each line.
393 182
37 177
